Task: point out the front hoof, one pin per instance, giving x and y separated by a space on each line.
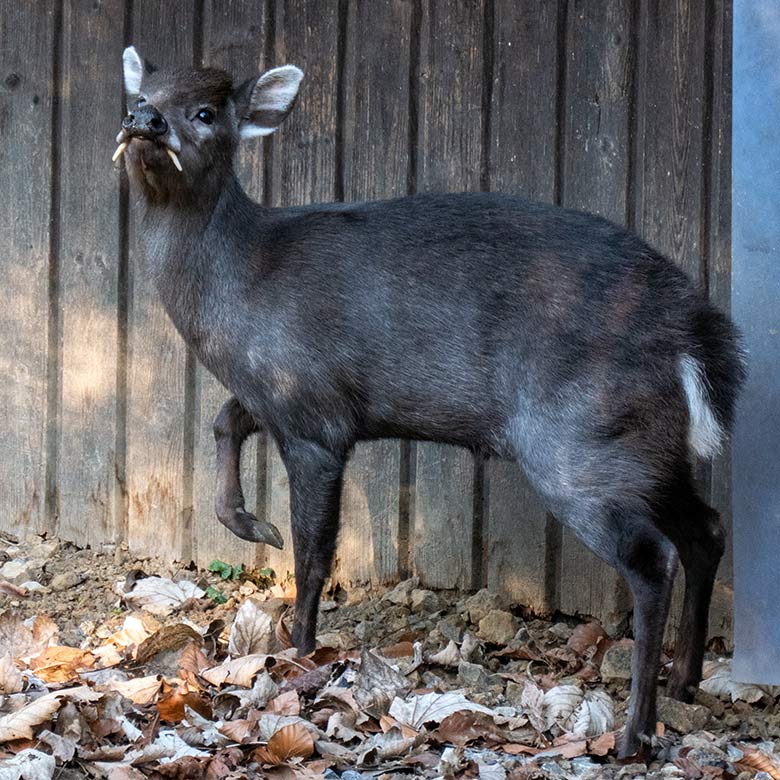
247 527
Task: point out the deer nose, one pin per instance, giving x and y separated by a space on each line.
145 122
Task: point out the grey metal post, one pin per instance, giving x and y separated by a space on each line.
756 308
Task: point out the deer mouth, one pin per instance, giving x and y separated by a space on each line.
125 137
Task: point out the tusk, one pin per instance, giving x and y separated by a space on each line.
119 150
174 158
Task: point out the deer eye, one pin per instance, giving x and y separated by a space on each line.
206 115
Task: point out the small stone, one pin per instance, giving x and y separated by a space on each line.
514 693
616 664
632 771
335 639
402 593
424 600
560 630
473 675
19 570
357 595
66 581
682 717
482 602
497 627
32 586
44 550
276 607
712 703
451 627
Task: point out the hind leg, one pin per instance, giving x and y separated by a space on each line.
648 561
626 535
700 540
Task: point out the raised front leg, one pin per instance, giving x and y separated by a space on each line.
231 428
315 475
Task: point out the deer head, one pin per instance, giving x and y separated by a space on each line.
183 125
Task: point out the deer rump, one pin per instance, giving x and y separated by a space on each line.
517 329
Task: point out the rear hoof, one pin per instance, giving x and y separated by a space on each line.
633 746
247 527
681 691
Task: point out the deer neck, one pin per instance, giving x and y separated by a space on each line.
188 244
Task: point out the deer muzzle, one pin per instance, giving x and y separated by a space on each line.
148 123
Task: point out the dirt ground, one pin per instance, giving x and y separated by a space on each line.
154 670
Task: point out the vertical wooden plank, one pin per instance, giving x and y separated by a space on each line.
303 170
596 179
669 195
234 39
88 272
376 135
27 40
449 154
156 415
522 541
719 276
669 185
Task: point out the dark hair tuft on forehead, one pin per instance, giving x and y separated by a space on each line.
207 84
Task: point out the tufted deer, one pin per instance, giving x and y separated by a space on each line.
519 330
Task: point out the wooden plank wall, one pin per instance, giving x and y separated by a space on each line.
620 107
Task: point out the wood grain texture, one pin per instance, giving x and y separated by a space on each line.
27 37
599 82
449 158
163 33
718 225
234 39
522 159
303 170
670 131
89 269
375 165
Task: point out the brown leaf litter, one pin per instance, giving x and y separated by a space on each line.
158 681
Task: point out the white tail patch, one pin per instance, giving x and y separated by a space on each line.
705 433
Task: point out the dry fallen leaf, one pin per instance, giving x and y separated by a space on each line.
289 743
10 676
577 712
9 589
377 684
140 690
192 662
286 703
754 760
448 656
23 640
134 631
416 711
19 724
28 765
532 701
160 595
463 727
602 744
585 636
172 703
239 671
717 681
60 664
252 630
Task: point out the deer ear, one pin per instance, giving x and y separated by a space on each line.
133 69
264 105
